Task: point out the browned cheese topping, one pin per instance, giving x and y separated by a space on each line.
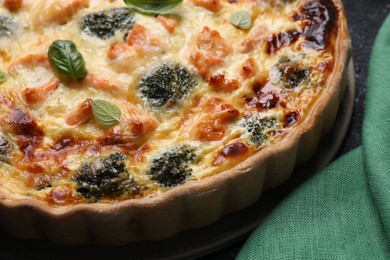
103 103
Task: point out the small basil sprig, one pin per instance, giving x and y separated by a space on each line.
67 60
241 19
153 6
3 77
106 113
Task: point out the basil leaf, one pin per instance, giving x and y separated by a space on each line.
3 77
67 60
106 113
241 19
153 6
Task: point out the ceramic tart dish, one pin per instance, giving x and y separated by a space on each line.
124 120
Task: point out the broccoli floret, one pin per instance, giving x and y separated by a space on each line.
289 74
105 23
5 150
172 167
258 127
166 83
7 26
105 177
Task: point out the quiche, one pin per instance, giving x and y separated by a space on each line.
133 120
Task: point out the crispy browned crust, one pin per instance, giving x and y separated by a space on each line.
197 203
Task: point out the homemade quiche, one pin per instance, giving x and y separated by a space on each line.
129 120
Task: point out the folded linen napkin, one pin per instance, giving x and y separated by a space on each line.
343 212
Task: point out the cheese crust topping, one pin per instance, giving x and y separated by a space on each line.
195 94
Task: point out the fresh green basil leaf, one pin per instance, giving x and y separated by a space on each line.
153 6
3 77
241 19
67 60
106 113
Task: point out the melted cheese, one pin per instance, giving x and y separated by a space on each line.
163 128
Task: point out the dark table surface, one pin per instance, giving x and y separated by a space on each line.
364 20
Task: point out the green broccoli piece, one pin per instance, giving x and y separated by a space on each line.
289 74
172 167
258 127
7 26
104 24
166 83
105 177
6 148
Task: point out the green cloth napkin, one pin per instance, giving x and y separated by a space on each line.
343 212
